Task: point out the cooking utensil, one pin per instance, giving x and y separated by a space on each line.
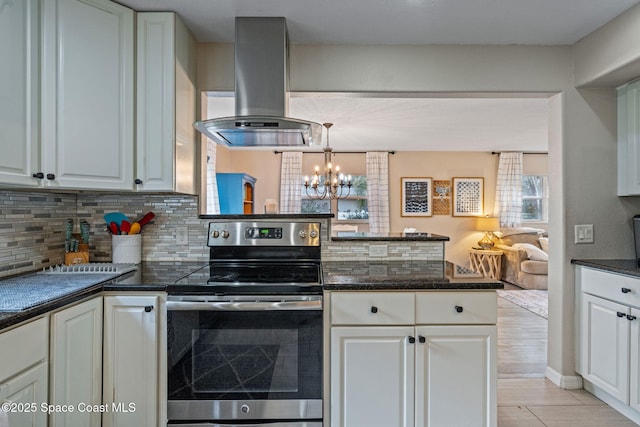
113 227
116 217
125 226
135 228
146 218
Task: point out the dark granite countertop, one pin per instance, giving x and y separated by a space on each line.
31 295
406 237
403 275
622 266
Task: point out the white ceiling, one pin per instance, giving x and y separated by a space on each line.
410 123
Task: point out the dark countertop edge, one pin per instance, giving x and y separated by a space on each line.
439 286
368 237
249 217
8 319
621 266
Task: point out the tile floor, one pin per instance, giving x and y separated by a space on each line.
525 397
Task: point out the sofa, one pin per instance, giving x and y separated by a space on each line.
525 259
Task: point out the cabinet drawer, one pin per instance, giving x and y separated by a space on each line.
611 286
23 347
456 308
372 308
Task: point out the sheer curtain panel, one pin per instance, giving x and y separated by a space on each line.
291 182
378 191
508 204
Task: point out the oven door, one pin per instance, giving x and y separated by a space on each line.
234 358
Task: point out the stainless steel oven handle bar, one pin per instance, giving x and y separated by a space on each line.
284 424
244 305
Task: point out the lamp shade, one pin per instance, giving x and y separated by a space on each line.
487 223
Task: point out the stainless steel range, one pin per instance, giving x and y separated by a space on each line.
245 331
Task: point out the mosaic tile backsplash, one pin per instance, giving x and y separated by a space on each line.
32 230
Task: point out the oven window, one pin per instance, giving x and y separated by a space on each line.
244 355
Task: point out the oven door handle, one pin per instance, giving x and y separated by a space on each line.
243 305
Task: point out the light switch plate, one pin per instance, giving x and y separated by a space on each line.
584 233
182 235
378 250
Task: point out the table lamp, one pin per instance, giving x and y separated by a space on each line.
488 225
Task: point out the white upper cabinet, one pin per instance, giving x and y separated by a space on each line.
166 104
87 94
19 92
629 139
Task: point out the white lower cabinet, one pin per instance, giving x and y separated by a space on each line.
131 361
76 364
609 337
23 373
412 374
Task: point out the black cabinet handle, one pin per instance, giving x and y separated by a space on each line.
51 176
459 308
148 309
422 339
374 309
620 314
630 317
38 175
412 340
625 290
138 181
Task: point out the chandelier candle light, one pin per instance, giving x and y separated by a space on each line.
332 184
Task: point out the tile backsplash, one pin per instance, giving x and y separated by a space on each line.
32 226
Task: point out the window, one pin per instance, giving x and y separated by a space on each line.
352 208
535 198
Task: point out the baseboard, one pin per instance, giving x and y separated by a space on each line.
566 382
625 410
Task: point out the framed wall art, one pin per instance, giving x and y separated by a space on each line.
416 196
468 196
441 197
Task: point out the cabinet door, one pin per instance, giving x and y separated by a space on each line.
455 376
372 382
629 139
605 345
88 94
76 362
634 394
130 384
29 391
19 92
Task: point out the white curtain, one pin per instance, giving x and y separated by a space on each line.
213 203
508 205
291 182
378 191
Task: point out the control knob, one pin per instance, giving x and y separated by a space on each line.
225 234
215 234
303 234
313 234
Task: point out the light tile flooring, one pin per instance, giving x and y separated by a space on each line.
525 397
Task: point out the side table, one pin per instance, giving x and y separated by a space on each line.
486 261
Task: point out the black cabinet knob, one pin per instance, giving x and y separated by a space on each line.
38 175
412 340
459 308
422 339
138 181
374 309
630 317
620 314
148 309
625 290
51 176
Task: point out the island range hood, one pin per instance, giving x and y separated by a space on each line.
261 92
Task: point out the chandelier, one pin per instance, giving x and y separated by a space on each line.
332 183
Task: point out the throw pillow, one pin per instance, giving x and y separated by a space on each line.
533 252
544 243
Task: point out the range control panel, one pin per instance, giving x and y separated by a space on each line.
256 233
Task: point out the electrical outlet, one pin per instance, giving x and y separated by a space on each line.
583 233
378 250
182 235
